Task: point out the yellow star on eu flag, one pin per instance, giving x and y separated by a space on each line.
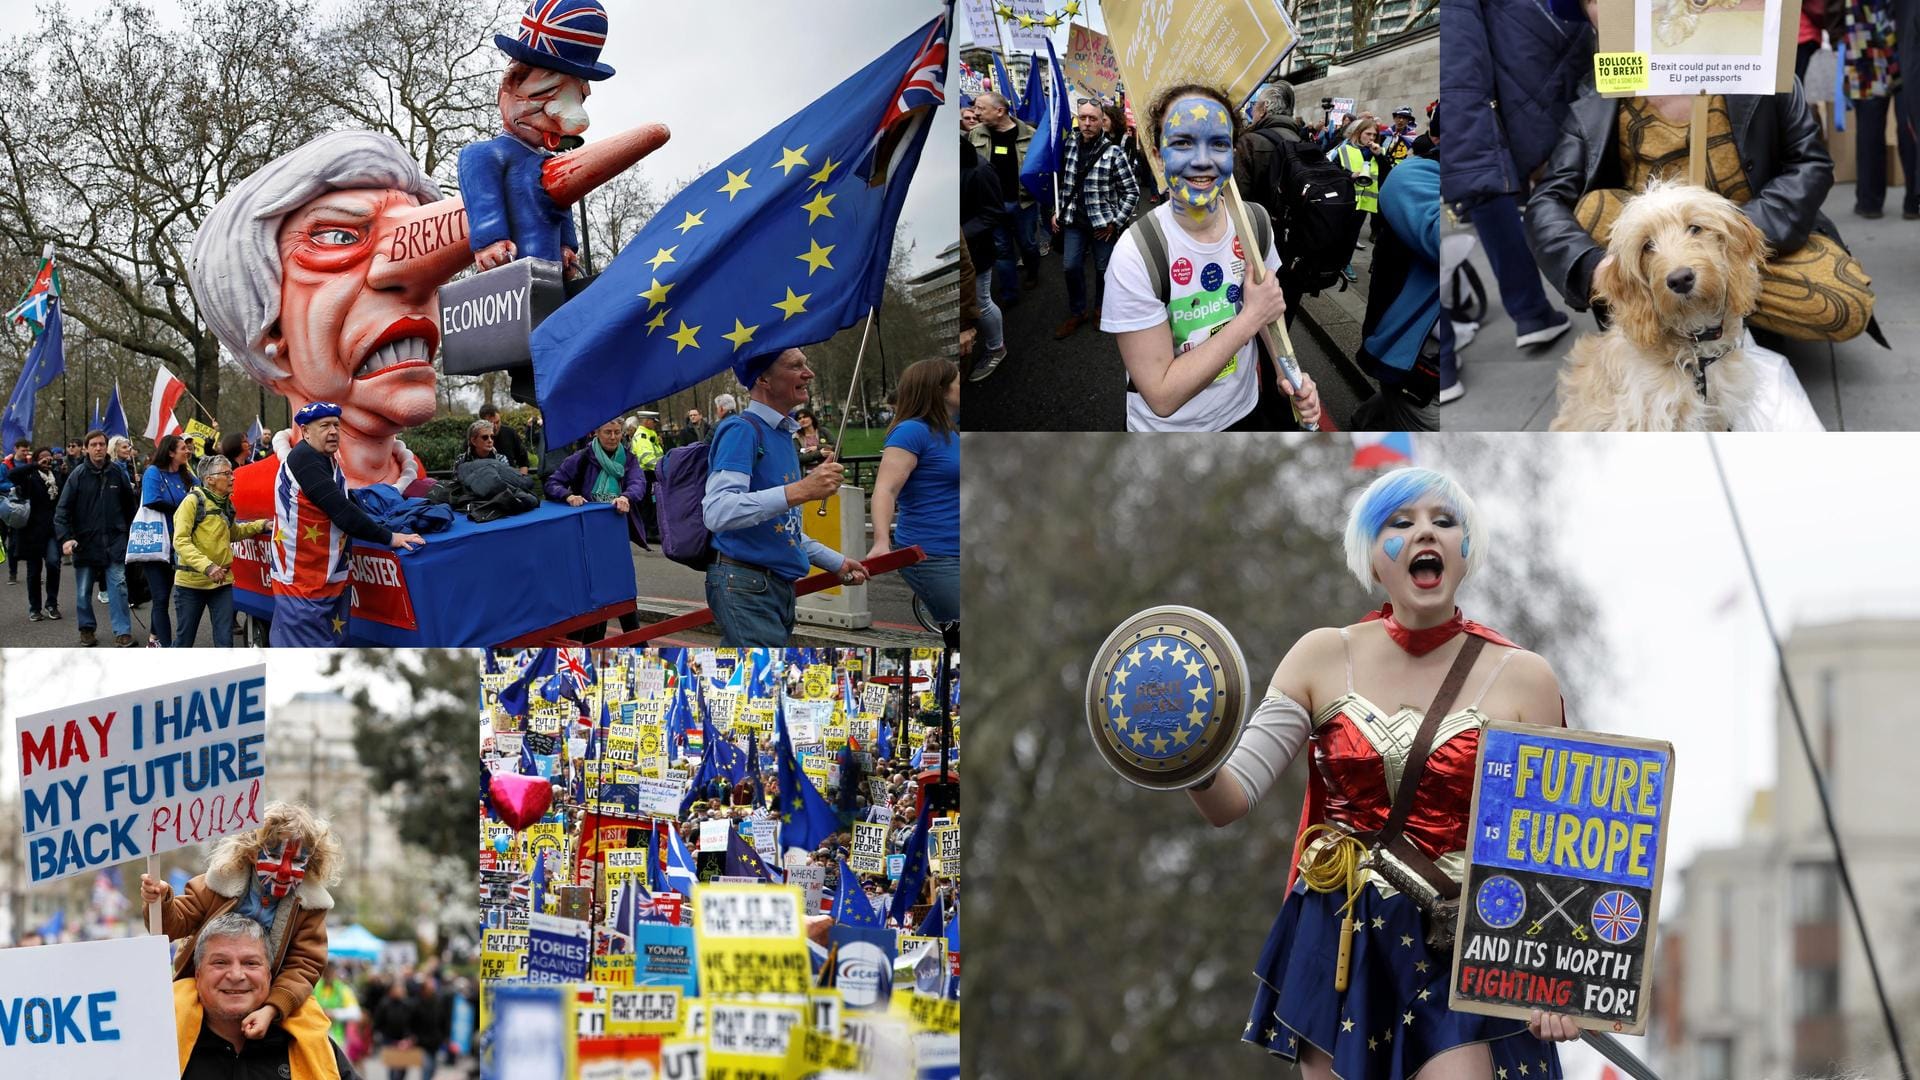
736 183
1199 112
659 320
664 255
657 293
793 305
684 337
816 257
339 626
789 158
741 334
825 172
690 221
818 208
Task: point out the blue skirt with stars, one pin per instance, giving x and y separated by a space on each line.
1393 1015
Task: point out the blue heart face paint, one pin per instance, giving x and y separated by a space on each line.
1464 542
1393 547
1196 147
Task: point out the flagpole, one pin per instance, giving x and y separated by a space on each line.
846 413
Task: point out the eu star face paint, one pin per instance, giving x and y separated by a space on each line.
1196 147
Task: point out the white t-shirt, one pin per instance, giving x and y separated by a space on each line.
1203 295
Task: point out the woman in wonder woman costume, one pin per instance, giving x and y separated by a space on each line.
1349 986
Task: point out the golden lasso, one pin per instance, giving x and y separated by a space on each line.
1335 866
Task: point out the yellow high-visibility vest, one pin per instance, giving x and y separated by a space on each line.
1366 196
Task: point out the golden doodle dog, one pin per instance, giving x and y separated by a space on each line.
1682 273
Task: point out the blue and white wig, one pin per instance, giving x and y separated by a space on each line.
1386 495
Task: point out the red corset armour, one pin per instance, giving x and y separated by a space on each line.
1359 752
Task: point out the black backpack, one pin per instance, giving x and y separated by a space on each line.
1314 212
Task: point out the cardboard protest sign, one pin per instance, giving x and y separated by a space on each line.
750 1042
1563 875
751 940
557 949
95 1010
503 954
869 848
1651 47
1161 43
136 774
1089 64
943 845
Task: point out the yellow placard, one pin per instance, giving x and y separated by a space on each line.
931 1013
613 969
751 940
1619 72
752 1042
646 1010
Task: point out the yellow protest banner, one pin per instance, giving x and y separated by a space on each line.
930 1013
752 1042
648 1010
1619 72
751 940
613 969
1161 43
818 681
944 845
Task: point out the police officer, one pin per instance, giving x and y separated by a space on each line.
648 450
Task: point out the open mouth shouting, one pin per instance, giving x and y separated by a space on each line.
408 343
1426 568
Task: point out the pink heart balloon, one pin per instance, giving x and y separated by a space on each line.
521 800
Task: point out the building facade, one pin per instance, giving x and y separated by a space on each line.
1773 980
937 294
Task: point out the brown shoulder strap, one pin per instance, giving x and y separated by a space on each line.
1450 687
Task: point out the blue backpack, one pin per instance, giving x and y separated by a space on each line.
680 487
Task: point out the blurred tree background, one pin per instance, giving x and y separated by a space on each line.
1113 933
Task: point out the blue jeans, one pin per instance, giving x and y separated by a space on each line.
88 578
752 607
1013 240
1497 221
936 581
1079 239
992 329
189 602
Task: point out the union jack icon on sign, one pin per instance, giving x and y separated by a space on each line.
543 27
1616 917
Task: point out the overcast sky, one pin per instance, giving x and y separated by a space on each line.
721 78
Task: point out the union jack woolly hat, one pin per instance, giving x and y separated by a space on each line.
561 35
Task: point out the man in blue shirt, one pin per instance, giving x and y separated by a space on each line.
754 491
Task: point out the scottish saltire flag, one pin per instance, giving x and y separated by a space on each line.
1033 104
850 903
914 875
762 685
808 818
742 860
680 872
45 361
783 245
1046 154
1382 450
513 698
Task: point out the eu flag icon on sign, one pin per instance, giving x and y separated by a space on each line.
784 244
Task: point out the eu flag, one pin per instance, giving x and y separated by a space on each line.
913 876
514 697
45 361
1046 154
850 903
114 420
1033 104
742 860
783 245
809 820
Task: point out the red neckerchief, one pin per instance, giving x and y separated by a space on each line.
1416 642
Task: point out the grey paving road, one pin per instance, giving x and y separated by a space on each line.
1079 384
1854 385
665 588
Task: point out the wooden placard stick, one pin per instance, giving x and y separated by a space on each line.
1256 264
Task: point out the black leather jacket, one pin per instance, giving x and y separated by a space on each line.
1780 151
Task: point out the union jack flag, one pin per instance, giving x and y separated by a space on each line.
1617 917
571 680
543 29
923 86
35 306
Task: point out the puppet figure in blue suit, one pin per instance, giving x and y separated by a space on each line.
542 100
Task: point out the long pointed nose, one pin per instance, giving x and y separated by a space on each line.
422 247
571 175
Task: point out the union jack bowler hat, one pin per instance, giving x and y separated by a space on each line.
561 35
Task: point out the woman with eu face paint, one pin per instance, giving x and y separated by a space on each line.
1353 698
1177 293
